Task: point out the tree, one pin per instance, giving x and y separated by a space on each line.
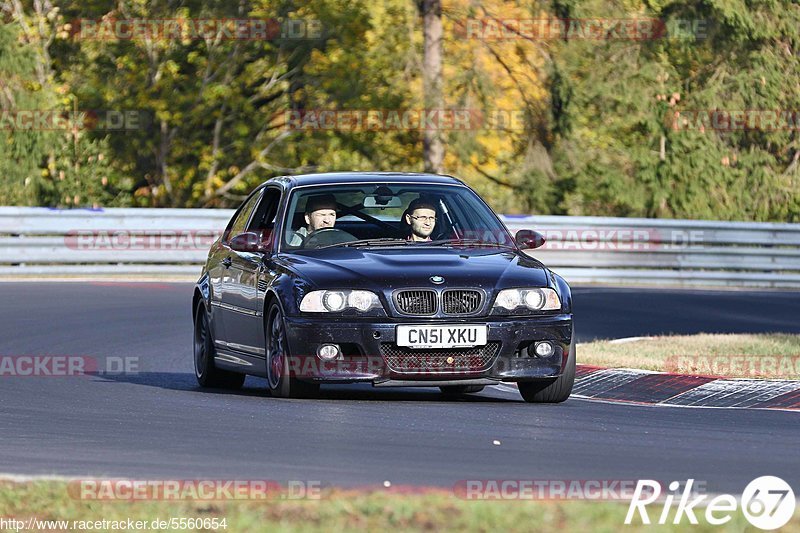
624 141
433 144
45 156
563 124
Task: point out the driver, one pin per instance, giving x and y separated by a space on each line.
320 214
421 216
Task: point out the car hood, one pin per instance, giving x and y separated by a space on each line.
391 268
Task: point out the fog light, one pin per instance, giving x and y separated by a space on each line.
544 349
328 352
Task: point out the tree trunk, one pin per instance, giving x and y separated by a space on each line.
433 143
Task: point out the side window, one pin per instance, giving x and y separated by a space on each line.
238 224
267 209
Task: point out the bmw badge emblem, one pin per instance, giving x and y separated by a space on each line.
437 280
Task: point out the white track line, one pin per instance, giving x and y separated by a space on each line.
626 340
24 478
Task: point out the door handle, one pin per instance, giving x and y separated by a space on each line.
227 262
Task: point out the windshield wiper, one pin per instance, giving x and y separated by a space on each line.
383 241
467 242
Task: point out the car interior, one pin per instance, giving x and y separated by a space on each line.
369 215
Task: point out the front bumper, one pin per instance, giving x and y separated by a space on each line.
371 355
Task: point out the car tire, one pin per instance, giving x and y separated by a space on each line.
206 372
460 389
279 379
553 390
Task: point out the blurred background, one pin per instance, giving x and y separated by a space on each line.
668 109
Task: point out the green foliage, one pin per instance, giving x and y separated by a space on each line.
49 164
601 126
22 152
623 156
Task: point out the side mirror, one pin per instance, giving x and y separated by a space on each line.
529 239
249 242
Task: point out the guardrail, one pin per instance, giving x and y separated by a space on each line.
660 251
174 242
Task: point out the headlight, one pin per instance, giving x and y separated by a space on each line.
334 301
515 300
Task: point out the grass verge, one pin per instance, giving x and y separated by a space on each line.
347 510
769 355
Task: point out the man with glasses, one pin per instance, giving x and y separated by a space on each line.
421 216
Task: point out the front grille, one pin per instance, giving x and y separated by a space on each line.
461 302
262 285
416 302
402 359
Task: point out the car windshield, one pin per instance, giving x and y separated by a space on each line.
393 214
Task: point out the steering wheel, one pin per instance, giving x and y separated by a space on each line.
326 237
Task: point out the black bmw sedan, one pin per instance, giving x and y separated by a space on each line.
394 279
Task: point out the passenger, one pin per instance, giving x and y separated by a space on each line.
320 214
421 217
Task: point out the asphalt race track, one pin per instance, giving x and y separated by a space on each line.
159 424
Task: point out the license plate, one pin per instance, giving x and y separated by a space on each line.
441 336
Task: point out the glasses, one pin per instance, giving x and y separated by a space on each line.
424 219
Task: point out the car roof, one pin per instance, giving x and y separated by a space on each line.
328 178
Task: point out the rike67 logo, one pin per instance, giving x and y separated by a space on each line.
767 502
